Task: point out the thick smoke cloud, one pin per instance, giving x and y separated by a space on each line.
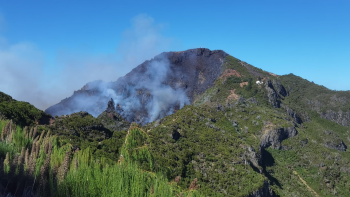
150 94
26 76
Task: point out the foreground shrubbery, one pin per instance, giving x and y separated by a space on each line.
36 163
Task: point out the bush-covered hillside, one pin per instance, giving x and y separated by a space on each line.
21 113
281 136
77 156
43 164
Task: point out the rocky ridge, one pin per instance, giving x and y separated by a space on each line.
112 120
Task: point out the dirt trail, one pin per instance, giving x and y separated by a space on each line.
308 187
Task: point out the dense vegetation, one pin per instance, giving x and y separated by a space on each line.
201 143
21 113
38 163
309 97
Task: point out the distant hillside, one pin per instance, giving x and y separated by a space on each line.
306 96
22 113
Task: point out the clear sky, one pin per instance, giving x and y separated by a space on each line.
58 45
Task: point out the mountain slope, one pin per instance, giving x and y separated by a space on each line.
309 97
248 133
152 90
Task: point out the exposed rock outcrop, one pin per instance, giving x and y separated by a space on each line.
304 142
333 141
279 88
272 95
265 191
293 114
254 157
112 120
110 106
337 146
274 137
253 101
340 117
305 117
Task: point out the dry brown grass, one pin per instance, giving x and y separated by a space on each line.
243 84
232 96
229 72
194 185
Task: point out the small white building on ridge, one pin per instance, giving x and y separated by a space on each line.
259 82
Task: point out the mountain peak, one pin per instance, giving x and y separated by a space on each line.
152 90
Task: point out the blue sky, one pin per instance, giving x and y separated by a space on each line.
47 41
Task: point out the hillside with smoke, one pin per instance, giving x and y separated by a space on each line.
149 92
28 73
153 90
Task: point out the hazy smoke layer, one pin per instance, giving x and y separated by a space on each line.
26 76
21 72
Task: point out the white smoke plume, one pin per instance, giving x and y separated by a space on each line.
23 69
163 98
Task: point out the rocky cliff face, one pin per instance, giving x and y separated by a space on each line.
293 114
265 191
152 90
274 137
276 92
272 94
340 117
